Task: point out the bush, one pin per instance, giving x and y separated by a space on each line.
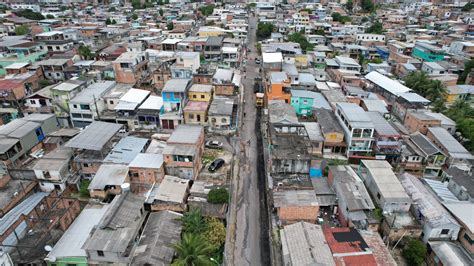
414 252
218 195
215 233
264 30
84 191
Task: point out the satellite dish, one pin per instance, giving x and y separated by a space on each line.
48 248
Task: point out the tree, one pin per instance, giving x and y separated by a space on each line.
134 16
376 28
468 66
340 18
136 4
112 9
85 51
161 11
167 2
264 30
467 7
251 5
438 106
215 233
49 16
22 30
367 5
320 32
414 252
108 21
301 39
170 26
193 222
218 195
421 84
463 114
207 10
114 21
350 5
192 250
29 14
364 19
84 188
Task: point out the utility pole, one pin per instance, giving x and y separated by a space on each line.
96 109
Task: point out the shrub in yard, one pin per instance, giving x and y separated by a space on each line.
414 252
218 195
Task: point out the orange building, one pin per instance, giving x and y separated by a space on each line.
278 87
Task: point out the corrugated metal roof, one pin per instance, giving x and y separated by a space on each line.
95 136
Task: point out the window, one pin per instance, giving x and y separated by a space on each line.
85 165
444 231
191 116
223 120
71 264
100 253
194 96
32 101
85 107
378 195
203 96
468 239
111 102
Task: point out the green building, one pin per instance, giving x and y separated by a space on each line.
27 52
68 250
428 52
305 101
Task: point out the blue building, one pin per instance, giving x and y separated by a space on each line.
174 94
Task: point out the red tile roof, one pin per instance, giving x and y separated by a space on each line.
9 84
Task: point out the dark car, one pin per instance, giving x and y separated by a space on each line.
214 144
257 61
215 165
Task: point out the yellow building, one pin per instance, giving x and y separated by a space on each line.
200 92
458 92
301 60
211 31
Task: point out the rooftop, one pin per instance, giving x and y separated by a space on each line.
176 85
294 198
186 134
95 136
147 160
109 175
171 189
126 150
454 148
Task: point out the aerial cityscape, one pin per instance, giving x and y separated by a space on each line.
234 132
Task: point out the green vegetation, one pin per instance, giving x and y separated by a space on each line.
428 88
307 10
414 252
301 39
218 195
108 21
207 10
251 5
49 16
202 239
161 11
22 30
85 52
468 66
192 250
349 5
364 19
320 32
112 9
134 16
467 7
463 114
376 28
340 18
83 190
29 14
170 26
136 4
43 83
367 6
264 30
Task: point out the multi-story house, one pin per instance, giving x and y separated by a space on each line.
278 87
55 41
358 128
213 48
428 52
23 135
87 105
127 107
183 152
388 141
131 67
54 169
61 95
53 69
174 94
422 157
22 52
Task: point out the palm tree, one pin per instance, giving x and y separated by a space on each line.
192 250
435 90
193 221
417 81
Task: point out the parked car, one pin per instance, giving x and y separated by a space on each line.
214 144
257 61
215 165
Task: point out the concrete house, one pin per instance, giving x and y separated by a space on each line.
298 242
86 106
195 113
200 92
183 151
358 127
420 121
127 107
457 154
355 204
333 133
437 223
53 170
144 171
384 186
92 145
131 67
220 114
296 205
23 135
53 69
108 181
222 82
171 194
432 158
113 240
175 94
148 113
388 141
62 95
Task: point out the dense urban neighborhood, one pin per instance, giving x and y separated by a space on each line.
273 132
